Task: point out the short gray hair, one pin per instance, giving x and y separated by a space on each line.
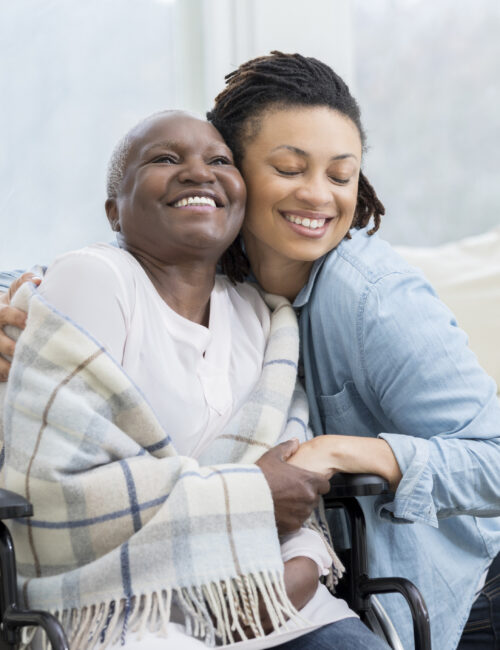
118 162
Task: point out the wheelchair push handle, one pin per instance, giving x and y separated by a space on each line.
357 485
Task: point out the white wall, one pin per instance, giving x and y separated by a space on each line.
75 75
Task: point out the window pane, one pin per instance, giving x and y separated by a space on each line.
74 76
428 82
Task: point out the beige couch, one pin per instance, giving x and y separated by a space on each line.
466 275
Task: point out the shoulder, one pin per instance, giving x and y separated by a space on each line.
101 255
363 265
367 258
100 271
98 263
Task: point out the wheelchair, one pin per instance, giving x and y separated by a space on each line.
356 587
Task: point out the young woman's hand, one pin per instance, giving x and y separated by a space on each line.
11 316
311 456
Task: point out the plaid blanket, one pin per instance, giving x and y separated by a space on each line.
124 527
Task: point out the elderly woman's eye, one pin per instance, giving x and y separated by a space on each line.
340 181
165 158
221 160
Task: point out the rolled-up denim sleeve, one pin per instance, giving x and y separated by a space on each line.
6 279
442 407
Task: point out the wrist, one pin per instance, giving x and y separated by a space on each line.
361 455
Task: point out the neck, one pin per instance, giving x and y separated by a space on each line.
185 287
274 273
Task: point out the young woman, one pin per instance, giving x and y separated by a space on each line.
387 370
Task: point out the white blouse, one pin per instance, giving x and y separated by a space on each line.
194 377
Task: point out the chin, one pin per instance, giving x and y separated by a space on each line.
306 253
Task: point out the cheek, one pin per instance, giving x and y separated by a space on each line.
235 189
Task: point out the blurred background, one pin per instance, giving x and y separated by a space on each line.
75 75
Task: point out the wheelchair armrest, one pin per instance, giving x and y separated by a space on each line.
13 505
414 599
356 485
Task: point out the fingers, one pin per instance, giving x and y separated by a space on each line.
17 318
4 369
12 316
288 448
7 345
323 484
25 277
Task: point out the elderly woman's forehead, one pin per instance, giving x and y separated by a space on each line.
168 126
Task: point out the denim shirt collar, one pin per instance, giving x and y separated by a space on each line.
305 293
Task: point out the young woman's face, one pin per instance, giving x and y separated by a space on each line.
301 171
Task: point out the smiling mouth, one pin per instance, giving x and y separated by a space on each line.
195 200
306 222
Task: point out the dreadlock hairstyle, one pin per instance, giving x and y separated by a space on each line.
281 81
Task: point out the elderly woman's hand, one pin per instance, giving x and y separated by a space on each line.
11 316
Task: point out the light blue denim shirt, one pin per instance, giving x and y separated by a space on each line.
383 356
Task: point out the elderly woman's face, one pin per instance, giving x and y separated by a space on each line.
181 196
301 170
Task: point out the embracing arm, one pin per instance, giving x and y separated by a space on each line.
443 406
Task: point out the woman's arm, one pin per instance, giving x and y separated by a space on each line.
438 408
329 454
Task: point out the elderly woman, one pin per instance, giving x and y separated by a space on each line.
131 533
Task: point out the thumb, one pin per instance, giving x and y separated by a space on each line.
288 448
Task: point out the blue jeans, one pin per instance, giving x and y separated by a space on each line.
347 634
482 630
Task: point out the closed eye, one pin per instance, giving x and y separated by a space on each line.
284 172
340 181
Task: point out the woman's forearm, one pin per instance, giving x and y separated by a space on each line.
301 580
330 453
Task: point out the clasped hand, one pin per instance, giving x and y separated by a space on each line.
11 316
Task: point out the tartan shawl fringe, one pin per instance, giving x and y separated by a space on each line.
227 611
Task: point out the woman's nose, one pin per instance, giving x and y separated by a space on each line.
196 170
316 192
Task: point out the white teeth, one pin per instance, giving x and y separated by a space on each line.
306 222
195 200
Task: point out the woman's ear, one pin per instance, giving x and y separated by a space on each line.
112 213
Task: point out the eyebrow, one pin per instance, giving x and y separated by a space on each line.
301 152
167 144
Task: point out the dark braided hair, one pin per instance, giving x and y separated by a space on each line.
282 81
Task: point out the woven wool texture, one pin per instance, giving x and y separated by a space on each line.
123 525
